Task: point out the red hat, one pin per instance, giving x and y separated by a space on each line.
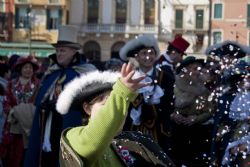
29 59
180 44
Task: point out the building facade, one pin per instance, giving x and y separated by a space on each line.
105 26
230 21
191 20
35 26
6 17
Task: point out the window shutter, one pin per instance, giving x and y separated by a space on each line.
28 19
17 18
248 15
48 19
60 19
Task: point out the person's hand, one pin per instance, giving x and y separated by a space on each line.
127 73
190 120
178 118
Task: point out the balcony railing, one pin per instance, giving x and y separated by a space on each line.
22 1
119 28
54 1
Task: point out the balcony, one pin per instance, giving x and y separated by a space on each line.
54 1
119 29
22 1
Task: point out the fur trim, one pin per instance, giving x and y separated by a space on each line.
143 40
214 47
78 86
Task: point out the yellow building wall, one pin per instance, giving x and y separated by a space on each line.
39 31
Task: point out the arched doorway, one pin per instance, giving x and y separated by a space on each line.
92 51
116 48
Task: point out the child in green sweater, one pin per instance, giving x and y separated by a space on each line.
104 98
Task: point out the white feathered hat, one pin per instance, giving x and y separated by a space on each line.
83 88
133 46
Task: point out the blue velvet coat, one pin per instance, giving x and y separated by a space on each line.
73 118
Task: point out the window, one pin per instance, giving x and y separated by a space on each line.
218 11
217 36
199 19
54 18
178 18
121 11
93 8
2 7
248 15
149 12
199 42
22 17
3 22
23 1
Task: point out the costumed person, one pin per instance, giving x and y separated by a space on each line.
149 112
237 152
167 63
228 53
104 97
4 78
19 110
193 111
225 121
48 124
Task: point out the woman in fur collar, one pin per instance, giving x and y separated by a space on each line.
193 109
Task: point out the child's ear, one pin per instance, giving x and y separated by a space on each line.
87 108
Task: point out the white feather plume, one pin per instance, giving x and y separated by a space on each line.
73 88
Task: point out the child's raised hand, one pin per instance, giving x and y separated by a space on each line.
127 73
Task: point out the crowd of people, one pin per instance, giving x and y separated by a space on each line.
143 109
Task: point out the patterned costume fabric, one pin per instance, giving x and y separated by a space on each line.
154 115
12 146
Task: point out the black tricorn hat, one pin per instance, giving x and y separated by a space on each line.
83 88
231 48
189 60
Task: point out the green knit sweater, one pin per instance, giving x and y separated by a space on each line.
92 141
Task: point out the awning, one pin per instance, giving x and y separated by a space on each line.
23 49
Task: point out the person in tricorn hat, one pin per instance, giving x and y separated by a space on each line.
104 98
65 65
233 109
149 112
229 53
237 152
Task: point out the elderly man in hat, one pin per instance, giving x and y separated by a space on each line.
65 65
148 113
